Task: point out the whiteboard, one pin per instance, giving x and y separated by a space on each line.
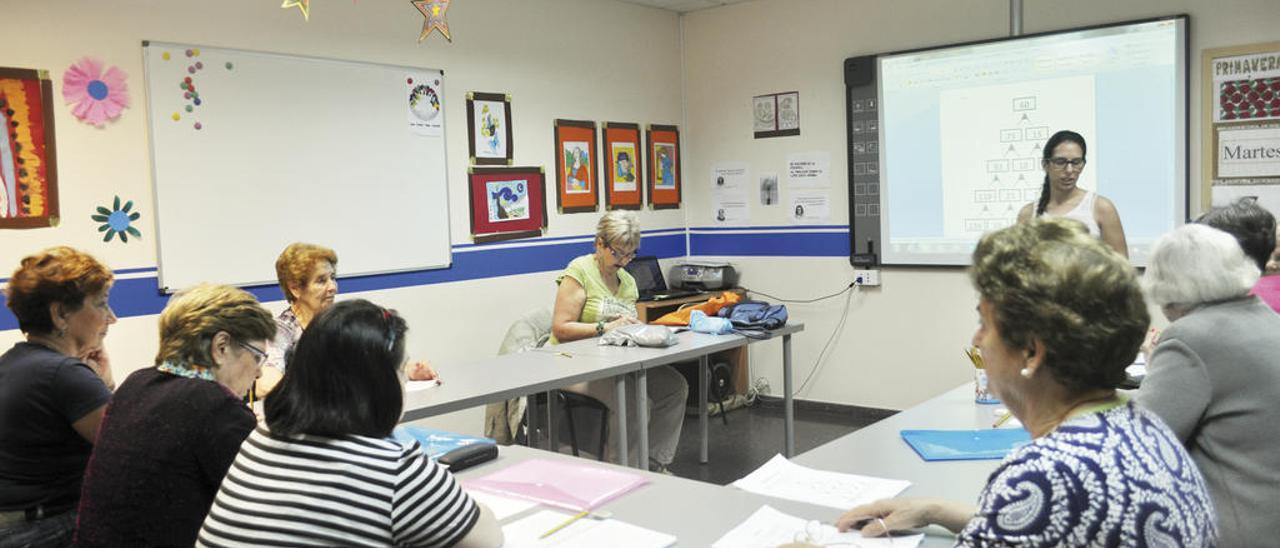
282 149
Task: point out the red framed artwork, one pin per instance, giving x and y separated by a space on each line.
577 173
623 166
663 152
507 203
28 162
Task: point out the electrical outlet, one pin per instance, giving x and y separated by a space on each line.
866 277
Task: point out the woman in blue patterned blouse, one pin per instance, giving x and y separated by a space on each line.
1061 316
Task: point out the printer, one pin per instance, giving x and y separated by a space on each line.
703 275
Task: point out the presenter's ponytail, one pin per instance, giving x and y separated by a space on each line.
1055 140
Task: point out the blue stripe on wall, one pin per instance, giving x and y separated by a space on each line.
141 296
770 243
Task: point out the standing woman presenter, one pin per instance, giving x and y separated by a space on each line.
1063 162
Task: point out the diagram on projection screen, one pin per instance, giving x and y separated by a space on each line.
993 138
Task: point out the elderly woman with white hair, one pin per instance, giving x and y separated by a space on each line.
597 295
1214 376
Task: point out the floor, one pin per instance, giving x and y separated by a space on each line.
753 435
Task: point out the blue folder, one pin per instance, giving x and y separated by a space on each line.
994 443
437 442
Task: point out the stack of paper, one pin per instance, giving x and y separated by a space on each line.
502 507
786 480
768 528
561 483
587 533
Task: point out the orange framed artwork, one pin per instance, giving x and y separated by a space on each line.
577 172
28 163
623 169
663 155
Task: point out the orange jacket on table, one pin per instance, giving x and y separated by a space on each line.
681 317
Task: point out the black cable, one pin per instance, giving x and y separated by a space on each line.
802 301
844 317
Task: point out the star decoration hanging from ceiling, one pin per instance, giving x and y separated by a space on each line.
302 5
434 12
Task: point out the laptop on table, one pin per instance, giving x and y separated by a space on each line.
651 283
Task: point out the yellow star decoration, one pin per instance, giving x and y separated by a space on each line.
303 5
434 12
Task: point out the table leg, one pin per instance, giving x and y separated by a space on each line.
620 412
553 430
703 364
788 412
642 416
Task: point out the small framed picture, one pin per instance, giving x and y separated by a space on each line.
489 128
776 114
28 158
577 171
624 182
507 203
663 155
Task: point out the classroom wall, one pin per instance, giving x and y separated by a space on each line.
577 59
901 342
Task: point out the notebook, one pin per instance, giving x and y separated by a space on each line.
437 442
650 282
995 443
560 483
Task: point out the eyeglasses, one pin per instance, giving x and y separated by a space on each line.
620 256
1062 163
259 357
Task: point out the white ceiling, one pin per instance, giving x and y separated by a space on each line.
684 6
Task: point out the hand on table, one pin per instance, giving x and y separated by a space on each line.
883 516
422 371
619 322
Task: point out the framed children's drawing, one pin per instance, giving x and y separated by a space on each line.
489 128
623 166
28 162
576 166
507 203
663 154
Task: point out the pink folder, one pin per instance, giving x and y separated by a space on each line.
559 483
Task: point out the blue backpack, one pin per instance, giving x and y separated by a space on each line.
755 318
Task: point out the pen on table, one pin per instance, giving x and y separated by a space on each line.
1003 419
564 354
566 523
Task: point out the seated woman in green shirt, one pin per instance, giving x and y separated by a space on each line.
597 295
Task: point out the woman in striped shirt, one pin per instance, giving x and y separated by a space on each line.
325 469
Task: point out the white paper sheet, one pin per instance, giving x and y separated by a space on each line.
769 527
502 507
585 532
729 192
786 480
809 170
810 206
413 386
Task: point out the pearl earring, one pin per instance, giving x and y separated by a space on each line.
1026 373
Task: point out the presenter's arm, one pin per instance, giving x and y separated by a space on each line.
1109 222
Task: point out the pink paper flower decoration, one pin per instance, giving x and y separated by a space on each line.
95 97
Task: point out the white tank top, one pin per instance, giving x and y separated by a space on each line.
1083 212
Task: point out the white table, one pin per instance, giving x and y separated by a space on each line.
691 346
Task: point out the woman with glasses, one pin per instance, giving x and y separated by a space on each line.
53 389
596 295
1063 162
326 471
172 430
